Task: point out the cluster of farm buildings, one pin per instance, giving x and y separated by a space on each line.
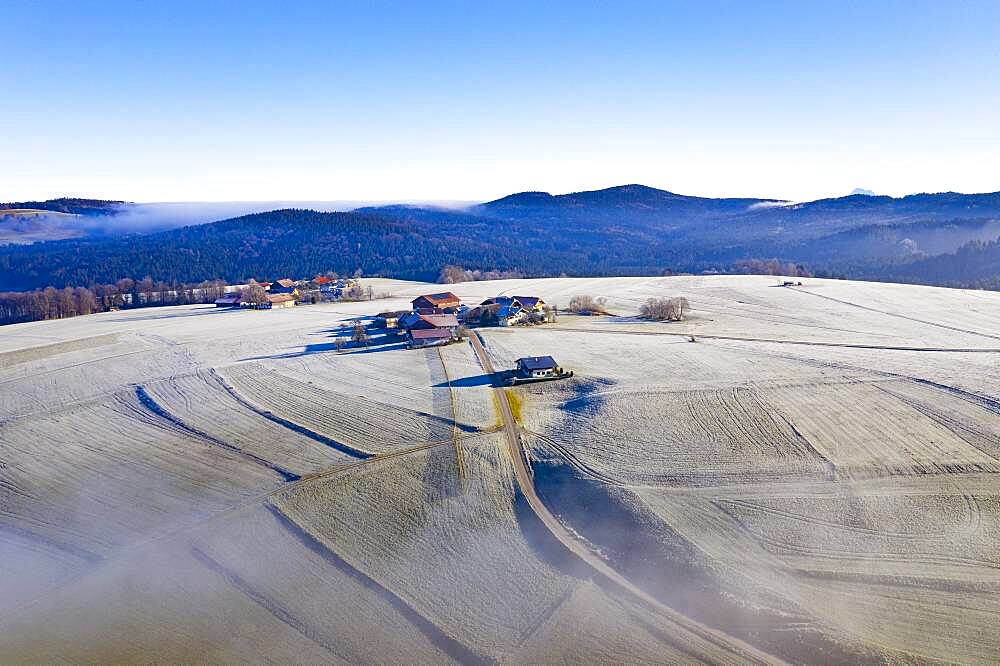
285 293
434 319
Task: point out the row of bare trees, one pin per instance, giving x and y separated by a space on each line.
665 309
51 303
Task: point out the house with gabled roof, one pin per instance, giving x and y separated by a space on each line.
284 286
531 303
388 319
430 337
448 321
281 300
444 300
229 301
509 315
537 366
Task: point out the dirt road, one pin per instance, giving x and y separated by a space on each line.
737 651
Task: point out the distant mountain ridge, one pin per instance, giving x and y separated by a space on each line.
624 230
73 206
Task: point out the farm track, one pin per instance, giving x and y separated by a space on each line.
809 343
988 402
103 359
39 352
901 316
737 650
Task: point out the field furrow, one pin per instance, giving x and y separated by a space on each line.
362 424
202 402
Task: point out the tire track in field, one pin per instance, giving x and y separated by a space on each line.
177 423
291 425
574 461
458 651
227 513
459 450
727 507
964 431
285 616
60 546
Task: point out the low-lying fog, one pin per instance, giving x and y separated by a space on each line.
150 217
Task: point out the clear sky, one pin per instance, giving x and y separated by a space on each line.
215 101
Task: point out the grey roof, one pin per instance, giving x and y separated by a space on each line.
430 334
441 320
537 363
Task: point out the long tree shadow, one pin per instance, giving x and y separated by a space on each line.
467 382
327 347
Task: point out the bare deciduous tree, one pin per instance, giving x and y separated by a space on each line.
665 309
360 334
253 293
588 305
354 293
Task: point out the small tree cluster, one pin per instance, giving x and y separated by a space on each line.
771 267
360 335
665 309
253 293
357 293
587 305
451 274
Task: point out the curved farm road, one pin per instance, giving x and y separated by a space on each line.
738 651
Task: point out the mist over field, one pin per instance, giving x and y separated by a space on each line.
789 471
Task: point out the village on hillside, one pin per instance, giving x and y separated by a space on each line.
432 320
285 292
440 319
436 319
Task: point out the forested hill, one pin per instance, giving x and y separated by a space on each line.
975 264
69 205
629 205
283 242
628 230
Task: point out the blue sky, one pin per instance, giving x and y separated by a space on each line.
219 101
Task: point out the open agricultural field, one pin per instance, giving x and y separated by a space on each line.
815 477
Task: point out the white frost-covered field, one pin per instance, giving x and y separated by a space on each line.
816 474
